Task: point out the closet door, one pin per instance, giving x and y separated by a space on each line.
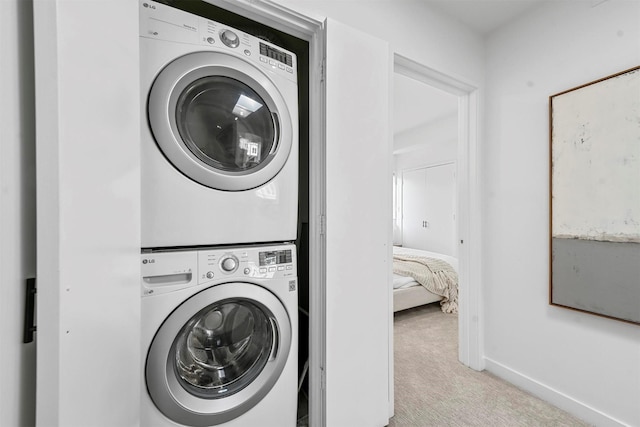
358 228
88 216
428 209
414 209
440 195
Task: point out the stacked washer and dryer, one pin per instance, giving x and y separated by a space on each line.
219 284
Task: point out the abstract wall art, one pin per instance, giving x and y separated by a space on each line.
595 197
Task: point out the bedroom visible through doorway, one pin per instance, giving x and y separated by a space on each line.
425 150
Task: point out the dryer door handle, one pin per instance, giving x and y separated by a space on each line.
276 339
276 131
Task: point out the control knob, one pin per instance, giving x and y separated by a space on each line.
229 264
229 38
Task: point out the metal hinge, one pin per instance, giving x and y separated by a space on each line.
323 379
323 225
322 69
29 311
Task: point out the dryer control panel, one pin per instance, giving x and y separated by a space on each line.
171 270
162 22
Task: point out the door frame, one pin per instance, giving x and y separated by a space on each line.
470 351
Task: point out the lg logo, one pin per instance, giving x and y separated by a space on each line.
148 261
150 6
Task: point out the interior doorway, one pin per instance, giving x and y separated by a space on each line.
467 197
424 164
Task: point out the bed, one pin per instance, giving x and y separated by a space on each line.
422 277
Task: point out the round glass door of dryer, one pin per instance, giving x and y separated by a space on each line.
226 124
218 354
220 121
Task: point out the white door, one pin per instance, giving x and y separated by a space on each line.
358 228
440 196
428 208
88 216
414 208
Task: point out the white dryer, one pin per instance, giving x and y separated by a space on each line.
220 337
220 144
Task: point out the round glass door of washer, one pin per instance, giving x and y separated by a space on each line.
220 121
223 348
218 354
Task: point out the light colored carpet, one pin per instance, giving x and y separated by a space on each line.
433 389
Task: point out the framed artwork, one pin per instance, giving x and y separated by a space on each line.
595 197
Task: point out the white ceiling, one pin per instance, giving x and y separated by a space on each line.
417 104
484 16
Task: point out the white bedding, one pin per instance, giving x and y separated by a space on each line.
402 282
453 261
432 272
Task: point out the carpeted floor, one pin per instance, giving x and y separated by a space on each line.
433 389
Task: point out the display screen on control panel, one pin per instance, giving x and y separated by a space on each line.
275 257
274 53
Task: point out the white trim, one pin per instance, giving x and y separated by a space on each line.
275 16
414 70
317 230
428 165
470 340
390 239
555 397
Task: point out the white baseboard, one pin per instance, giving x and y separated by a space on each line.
555 397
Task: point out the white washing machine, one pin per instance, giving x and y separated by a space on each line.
220 145
220 337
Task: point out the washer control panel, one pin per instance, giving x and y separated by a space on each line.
162 22
266 262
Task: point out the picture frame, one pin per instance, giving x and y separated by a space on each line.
594 194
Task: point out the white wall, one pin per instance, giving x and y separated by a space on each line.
17 211
583 363
427 145
412 29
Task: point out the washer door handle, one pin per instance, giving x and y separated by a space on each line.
275 341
